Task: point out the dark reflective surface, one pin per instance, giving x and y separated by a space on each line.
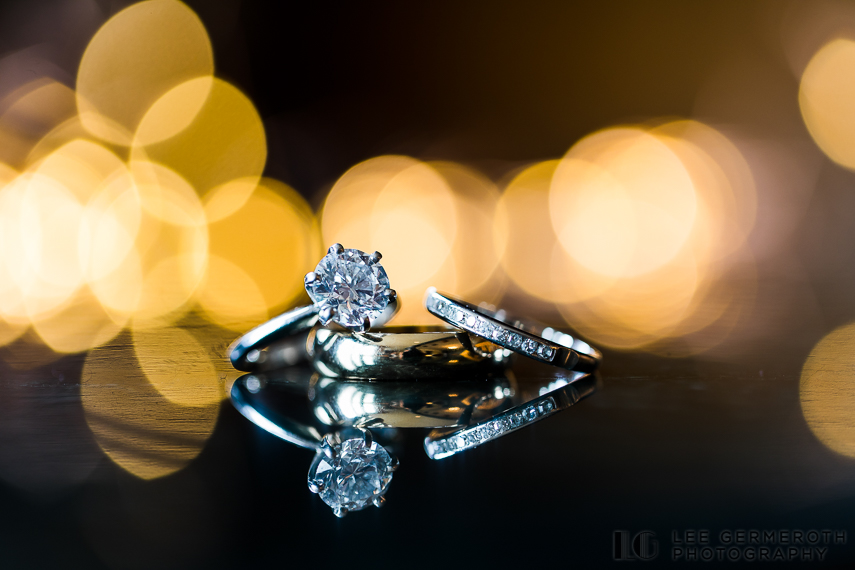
664 445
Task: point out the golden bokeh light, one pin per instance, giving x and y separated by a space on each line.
481 236
533 259
135 424
259 253
137 201
827 100
349 203
637 310
43 274
724 186
622 203
649 221
81 324
405 209
205 130
31 112
134 59
62 134
146 244
827 390
523 209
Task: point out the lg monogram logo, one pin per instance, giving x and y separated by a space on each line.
642 546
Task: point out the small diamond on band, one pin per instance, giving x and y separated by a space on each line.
527 338
491 429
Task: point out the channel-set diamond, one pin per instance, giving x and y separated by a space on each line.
489 329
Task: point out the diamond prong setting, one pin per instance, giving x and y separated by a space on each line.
349 287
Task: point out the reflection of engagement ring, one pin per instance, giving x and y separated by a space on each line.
543 344
403 353
559 396
350 471
348 287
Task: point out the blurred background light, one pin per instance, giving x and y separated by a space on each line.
622 203
136 201
404 209
29 113
259 253
207 131
135 58
827 100
533 259
481 238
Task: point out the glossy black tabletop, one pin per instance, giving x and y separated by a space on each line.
99 470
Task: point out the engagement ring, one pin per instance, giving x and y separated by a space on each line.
348 287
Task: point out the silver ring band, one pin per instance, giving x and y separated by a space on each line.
245 354
439 445
530 339
403 353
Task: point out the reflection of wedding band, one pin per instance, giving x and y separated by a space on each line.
563 394
544 344
440 404
402 353
347 287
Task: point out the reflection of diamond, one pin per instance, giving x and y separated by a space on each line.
352 284
355 477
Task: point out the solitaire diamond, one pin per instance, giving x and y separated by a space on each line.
351 475
351 283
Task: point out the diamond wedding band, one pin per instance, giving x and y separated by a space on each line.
543 344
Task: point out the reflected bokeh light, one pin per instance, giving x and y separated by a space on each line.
827 390
151 413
